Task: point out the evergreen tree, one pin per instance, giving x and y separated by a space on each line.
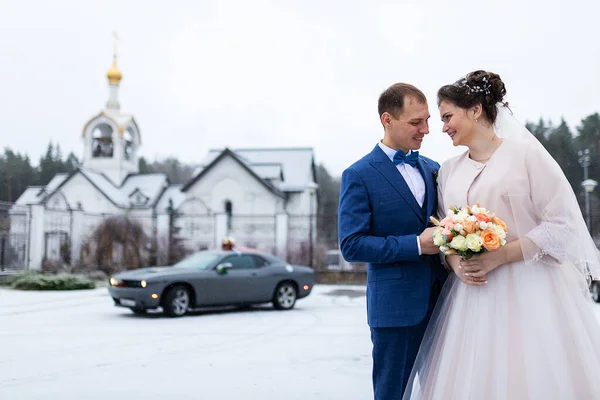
561 146
327 217
176 250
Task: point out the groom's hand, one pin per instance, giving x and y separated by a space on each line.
426 242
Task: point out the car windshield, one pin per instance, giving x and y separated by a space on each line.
200 260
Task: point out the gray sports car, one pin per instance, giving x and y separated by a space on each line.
212 278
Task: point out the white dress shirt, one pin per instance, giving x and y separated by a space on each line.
411 176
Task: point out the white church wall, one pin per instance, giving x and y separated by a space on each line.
78 190
299 203
228 180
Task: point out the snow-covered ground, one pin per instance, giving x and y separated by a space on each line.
77 345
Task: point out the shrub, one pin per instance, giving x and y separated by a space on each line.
117 243
36 281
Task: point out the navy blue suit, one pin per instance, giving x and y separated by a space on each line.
379 221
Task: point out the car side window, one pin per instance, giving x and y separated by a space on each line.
240 262
260 261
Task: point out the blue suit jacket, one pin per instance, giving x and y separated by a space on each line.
379 221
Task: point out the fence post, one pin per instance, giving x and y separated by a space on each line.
162 234
76 235
37 237
220 229
2 252
281 235
154 240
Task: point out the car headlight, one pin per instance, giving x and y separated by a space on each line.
114 281
143 283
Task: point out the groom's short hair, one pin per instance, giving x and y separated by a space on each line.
392 99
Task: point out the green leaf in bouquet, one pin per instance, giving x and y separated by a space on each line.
465 254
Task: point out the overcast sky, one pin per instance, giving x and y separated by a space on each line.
207 74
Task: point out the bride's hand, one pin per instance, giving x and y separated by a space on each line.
455 263
480 265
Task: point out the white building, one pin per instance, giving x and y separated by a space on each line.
263 197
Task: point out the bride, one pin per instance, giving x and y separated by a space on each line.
516 322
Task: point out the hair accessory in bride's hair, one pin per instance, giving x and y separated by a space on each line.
505 105
485 88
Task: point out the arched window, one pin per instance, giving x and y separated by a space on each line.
127 144
102 144
228 212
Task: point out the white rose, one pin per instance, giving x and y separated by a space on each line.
474 242
455 218
444 249
471 219
475 210
458 227
438 239
463 215
459 243
483 225
500 232
449 212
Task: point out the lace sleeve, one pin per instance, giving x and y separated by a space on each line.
561 233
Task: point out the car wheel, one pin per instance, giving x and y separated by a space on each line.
285 296
176 301
138 311
596 292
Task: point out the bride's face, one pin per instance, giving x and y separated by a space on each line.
457 123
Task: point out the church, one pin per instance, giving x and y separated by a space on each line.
262 197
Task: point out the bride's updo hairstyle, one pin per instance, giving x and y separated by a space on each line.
478 87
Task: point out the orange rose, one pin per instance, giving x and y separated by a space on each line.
482 218
500 223
491 241
469 227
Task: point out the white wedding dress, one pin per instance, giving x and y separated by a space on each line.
531 332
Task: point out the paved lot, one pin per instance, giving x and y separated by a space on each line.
77 345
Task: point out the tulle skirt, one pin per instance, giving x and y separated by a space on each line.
530 333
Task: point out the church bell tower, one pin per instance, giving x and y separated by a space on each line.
112 139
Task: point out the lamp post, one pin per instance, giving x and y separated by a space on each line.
588 184
312 189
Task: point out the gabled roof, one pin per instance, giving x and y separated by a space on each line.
55 182
297 164
30 196
137 193
244 163
269 170
150 185
171 192
100 182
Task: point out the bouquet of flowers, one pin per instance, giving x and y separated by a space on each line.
469 230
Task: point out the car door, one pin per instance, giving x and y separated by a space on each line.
266 279
239 284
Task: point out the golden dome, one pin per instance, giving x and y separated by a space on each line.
114 75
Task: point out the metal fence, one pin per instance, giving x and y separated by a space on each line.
197 231
14 236
255 231
57 235
304 243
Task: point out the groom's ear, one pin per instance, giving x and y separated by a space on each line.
386 119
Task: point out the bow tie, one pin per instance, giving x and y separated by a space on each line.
411 159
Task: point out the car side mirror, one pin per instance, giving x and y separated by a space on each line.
222 268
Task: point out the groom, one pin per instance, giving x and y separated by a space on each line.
386 200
